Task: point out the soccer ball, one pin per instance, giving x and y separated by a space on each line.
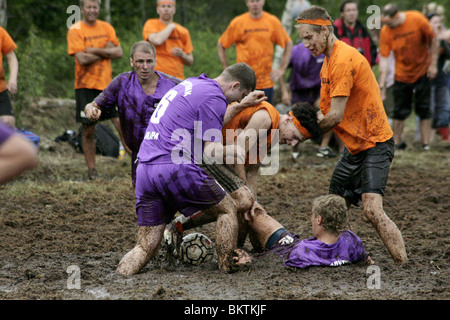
196 248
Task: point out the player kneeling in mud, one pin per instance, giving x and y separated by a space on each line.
270 128
329 246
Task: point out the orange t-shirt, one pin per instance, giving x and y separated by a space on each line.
255 39
411 45
96 75
165 61
348 74
7 46
241 120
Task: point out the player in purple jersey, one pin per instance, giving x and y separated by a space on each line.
17 154
136 94
329 246
305 80
187 121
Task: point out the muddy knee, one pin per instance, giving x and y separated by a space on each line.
244 199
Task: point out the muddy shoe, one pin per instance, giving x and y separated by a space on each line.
92 174
173 236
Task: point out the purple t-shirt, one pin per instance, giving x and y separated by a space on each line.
5 132
312 252
189 114
134 105
305 68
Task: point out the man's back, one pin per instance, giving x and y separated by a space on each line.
181 119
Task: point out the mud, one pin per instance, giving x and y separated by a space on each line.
62 236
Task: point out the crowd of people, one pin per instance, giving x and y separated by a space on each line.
190 142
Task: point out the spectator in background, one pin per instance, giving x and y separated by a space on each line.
17 154
304 86
93 43
440 97
415 46
171 40
388 99
255 33
351 31
7 48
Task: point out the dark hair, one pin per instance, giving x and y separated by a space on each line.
243 73
389 10
306 113
343 4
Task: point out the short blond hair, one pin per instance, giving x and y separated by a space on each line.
313 13
333 210
83 1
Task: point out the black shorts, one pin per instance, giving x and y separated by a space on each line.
406 93
83 97
365 172
224 176
5 104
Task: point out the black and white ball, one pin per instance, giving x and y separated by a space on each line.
196 248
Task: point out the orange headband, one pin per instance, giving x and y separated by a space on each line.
166 2
316 22
300 128
389 19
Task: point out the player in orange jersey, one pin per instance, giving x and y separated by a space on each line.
172 41
351 105
255 33
93 43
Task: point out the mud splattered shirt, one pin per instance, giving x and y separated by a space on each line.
312 252
348 74
189 114
134 105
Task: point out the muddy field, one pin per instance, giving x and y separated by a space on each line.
63 236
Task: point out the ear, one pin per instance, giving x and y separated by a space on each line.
319 219
131 62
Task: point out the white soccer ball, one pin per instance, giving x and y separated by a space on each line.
196 248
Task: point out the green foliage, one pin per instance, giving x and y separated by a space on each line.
32 70
206 59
